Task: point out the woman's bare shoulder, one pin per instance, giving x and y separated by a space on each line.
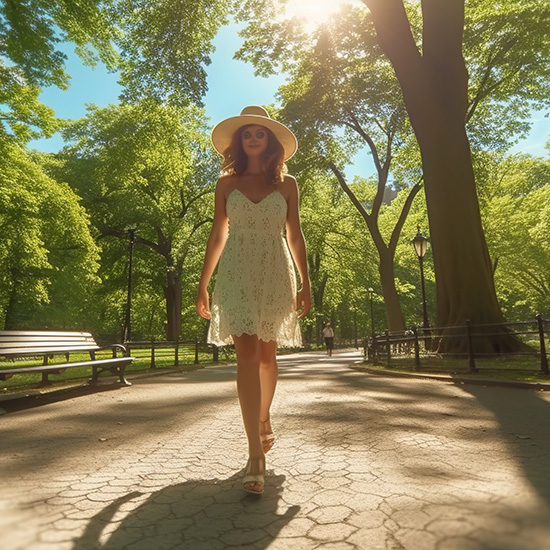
288 186
225 184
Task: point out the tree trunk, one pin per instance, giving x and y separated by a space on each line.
386 253
394 315
10 320
172 294
435 90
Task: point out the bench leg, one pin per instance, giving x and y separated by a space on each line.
122 378
95 374
45 381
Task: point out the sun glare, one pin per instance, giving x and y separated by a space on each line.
314 12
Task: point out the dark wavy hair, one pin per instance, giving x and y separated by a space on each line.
235 160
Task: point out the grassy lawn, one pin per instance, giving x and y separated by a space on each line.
164 360
520 368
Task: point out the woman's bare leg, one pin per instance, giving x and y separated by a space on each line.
247 348
268 376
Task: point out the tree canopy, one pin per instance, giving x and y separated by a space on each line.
47 252
145 167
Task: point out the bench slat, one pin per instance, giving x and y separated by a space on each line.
42 350
46 341
26 333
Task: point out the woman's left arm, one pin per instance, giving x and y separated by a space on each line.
297 244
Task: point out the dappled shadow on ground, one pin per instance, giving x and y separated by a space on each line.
523 422
105 422
443 438
21 402
197 514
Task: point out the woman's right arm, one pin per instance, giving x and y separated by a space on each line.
214 249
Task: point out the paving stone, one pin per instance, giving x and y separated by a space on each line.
414 539
360 462
332 532
331 514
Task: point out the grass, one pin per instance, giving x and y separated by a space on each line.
164 360
518 368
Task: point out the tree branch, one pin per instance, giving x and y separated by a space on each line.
371 224
123 235
355 125
394 32
403 216
483 91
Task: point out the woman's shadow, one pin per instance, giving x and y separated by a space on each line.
196 514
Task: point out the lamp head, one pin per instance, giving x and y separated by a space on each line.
420 243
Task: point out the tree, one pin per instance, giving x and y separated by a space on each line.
434 83
149 169
335 95
515 207
342 96
160 48
29 59
499 58
47 253
165 46
338 259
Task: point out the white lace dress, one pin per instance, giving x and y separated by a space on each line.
256 283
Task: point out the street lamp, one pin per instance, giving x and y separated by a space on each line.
420 243
127 334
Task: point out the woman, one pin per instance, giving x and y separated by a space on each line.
255 301
328 335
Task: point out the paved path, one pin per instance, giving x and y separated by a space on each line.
360 461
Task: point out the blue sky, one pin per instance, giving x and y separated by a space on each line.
231 84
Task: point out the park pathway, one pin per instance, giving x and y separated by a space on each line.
360 462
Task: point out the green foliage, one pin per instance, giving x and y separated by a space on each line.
342 263
150 168
342 94
165 47
507 52
31 32
160 48
29 58
48 257
515 205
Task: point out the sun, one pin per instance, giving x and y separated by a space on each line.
315 12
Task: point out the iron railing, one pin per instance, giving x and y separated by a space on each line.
466 341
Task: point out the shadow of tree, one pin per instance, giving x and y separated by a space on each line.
197 514
522 418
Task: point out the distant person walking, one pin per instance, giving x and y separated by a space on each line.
256 303
328 335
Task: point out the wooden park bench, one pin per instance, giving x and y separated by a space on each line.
47 344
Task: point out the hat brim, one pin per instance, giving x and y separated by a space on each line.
222 134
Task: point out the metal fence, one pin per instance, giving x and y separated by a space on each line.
467 342
177 352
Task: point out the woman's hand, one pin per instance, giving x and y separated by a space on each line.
203 303
303 301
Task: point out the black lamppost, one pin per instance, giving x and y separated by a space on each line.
127 334
420 244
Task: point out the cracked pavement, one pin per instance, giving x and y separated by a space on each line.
360 462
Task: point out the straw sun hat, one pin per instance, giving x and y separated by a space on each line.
223 132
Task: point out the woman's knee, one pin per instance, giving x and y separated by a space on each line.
247 348
268 355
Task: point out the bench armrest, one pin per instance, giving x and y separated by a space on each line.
115 348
